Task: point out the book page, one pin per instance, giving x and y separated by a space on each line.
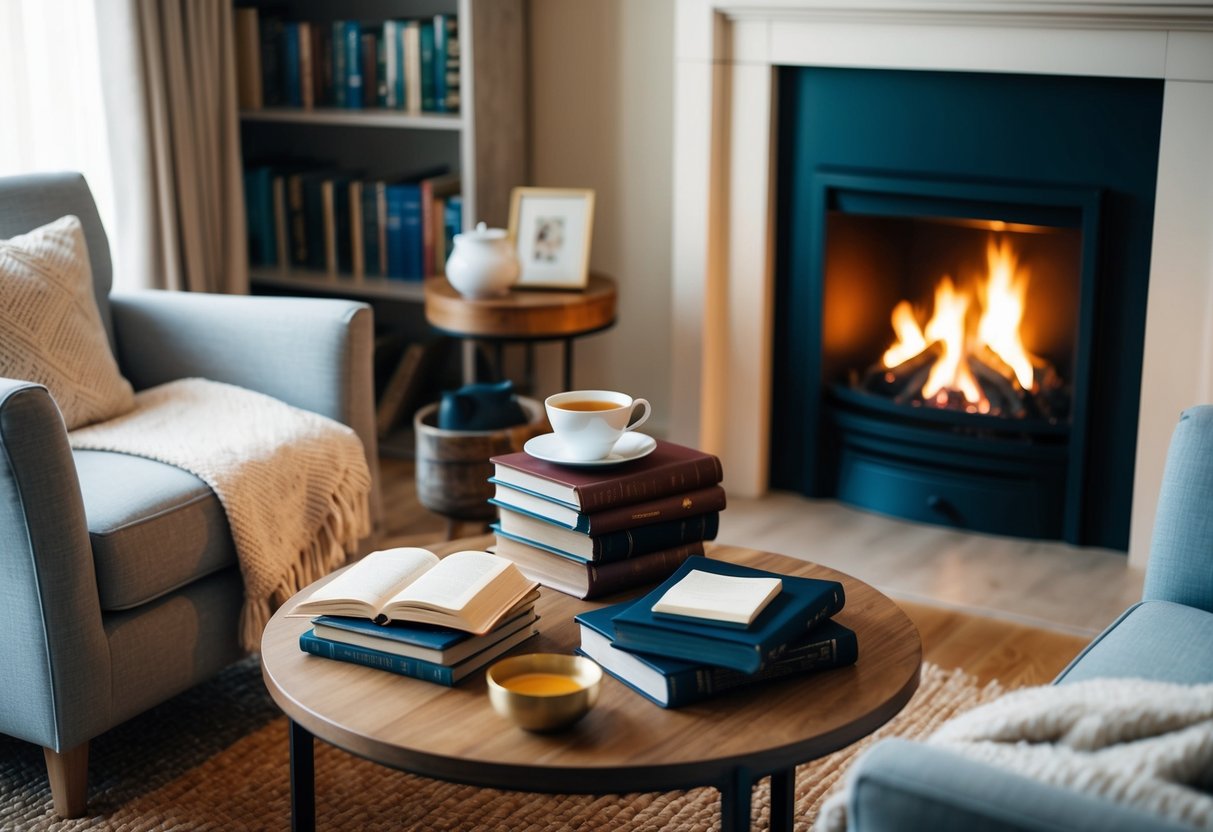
718 597
371 581
455 581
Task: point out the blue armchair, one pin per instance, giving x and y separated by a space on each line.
1168 636
119 586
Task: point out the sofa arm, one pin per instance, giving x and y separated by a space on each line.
315 354
1181 550
55 689
902 785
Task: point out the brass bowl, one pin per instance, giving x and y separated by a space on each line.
539 710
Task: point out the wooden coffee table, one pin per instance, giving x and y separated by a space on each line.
626 743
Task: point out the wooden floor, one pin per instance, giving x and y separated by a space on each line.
954 635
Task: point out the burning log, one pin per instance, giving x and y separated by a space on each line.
998 384
894 381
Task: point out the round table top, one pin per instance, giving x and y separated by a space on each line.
522 313
625 743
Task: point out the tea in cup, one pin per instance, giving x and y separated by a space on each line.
588 423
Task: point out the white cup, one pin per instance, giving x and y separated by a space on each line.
588 423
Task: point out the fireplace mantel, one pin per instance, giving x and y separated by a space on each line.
725 112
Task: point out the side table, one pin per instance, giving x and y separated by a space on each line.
522 316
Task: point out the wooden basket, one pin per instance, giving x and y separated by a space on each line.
453 466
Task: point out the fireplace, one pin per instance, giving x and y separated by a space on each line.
727 106
959 287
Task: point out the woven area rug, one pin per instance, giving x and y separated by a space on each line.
216 758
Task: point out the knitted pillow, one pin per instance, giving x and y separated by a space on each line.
50 330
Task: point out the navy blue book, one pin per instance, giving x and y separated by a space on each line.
351 32
371 231
672 683
426 642
259 215
426 38
441 56
309 642
403 230
292 82
801 604
607 547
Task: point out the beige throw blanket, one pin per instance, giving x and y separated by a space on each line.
295 485
1138 743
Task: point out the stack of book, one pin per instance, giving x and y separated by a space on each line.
678 650
590 532
406 611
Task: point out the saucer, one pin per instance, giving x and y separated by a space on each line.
631 445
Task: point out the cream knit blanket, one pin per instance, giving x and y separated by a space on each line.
295 485
1131 741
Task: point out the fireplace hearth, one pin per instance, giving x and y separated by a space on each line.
960 273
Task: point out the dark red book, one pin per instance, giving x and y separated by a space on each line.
586 579
669 469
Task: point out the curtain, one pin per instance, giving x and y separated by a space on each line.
168 72
52 116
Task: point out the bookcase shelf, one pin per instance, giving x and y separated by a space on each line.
355 118
341 285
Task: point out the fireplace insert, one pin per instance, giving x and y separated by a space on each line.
960 296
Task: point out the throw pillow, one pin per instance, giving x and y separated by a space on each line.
50 330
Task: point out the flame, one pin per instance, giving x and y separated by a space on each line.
1002 299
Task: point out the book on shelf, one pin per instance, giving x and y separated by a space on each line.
452 80
335 202
586 579
673 683
608 546
725 600
307 71
249 84
801 604
425 49
434 188
440 674
269 31
470 591
259 215
669 469
370 67
410 56
437 645
292 64
656 510
442 35
357 230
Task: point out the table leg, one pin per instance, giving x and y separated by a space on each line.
303 779
783 800
735 800
568 363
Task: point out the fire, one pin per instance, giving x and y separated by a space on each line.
1001 298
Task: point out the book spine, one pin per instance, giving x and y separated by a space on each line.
609 578
452 63
290 65
410 232
259 216
655 511
642 540
380 70
357 229
427 228
425 38
282 239
249 89
307 71
270 33
313 221
352 34
643 485
343 237
381 225
340 64
298 220
402 665
370 68
394 202
322 65
440 62
410 39
329 221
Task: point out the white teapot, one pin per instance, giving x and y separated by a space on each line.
482 263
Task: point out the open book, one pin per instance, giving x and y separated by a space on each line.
469 591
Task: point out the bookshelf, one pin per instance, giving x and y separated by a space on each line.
484 141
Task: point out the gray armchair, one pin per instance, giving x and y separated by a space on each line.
1168 636
119 586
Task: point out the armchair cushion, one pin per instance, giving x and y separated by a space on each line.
154 528
52 329
1157 640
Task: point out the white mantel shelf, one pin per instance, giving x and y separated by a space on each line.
725 112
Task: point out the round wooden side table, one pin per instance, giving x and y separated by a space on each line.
523 316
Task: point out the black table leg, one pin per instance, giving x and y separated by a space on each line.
735 799
783 800
568 363
303 780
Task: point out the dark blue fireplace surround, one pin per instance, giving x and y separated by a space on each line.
1069 152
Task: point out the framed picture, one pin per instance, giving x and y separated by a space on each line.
551 229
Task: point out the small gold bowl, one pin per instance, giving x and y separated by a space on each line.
544 692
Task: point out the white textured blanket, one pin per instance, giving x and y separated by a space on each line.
295 485
1134 742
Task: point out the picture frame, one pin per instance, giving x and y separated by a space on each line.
550 230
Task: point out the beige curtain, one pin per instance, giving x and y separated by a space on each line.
168 73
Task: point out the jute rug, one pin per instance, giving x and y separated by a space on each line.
216 758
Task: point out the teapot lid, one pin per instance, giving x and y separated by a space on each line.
483 233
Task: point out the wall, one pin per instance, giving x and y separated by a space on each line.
601 93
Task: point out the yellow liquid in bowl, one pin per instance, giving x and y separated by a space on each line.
541 684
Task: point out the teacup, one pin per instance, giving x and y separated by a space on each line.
588 423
